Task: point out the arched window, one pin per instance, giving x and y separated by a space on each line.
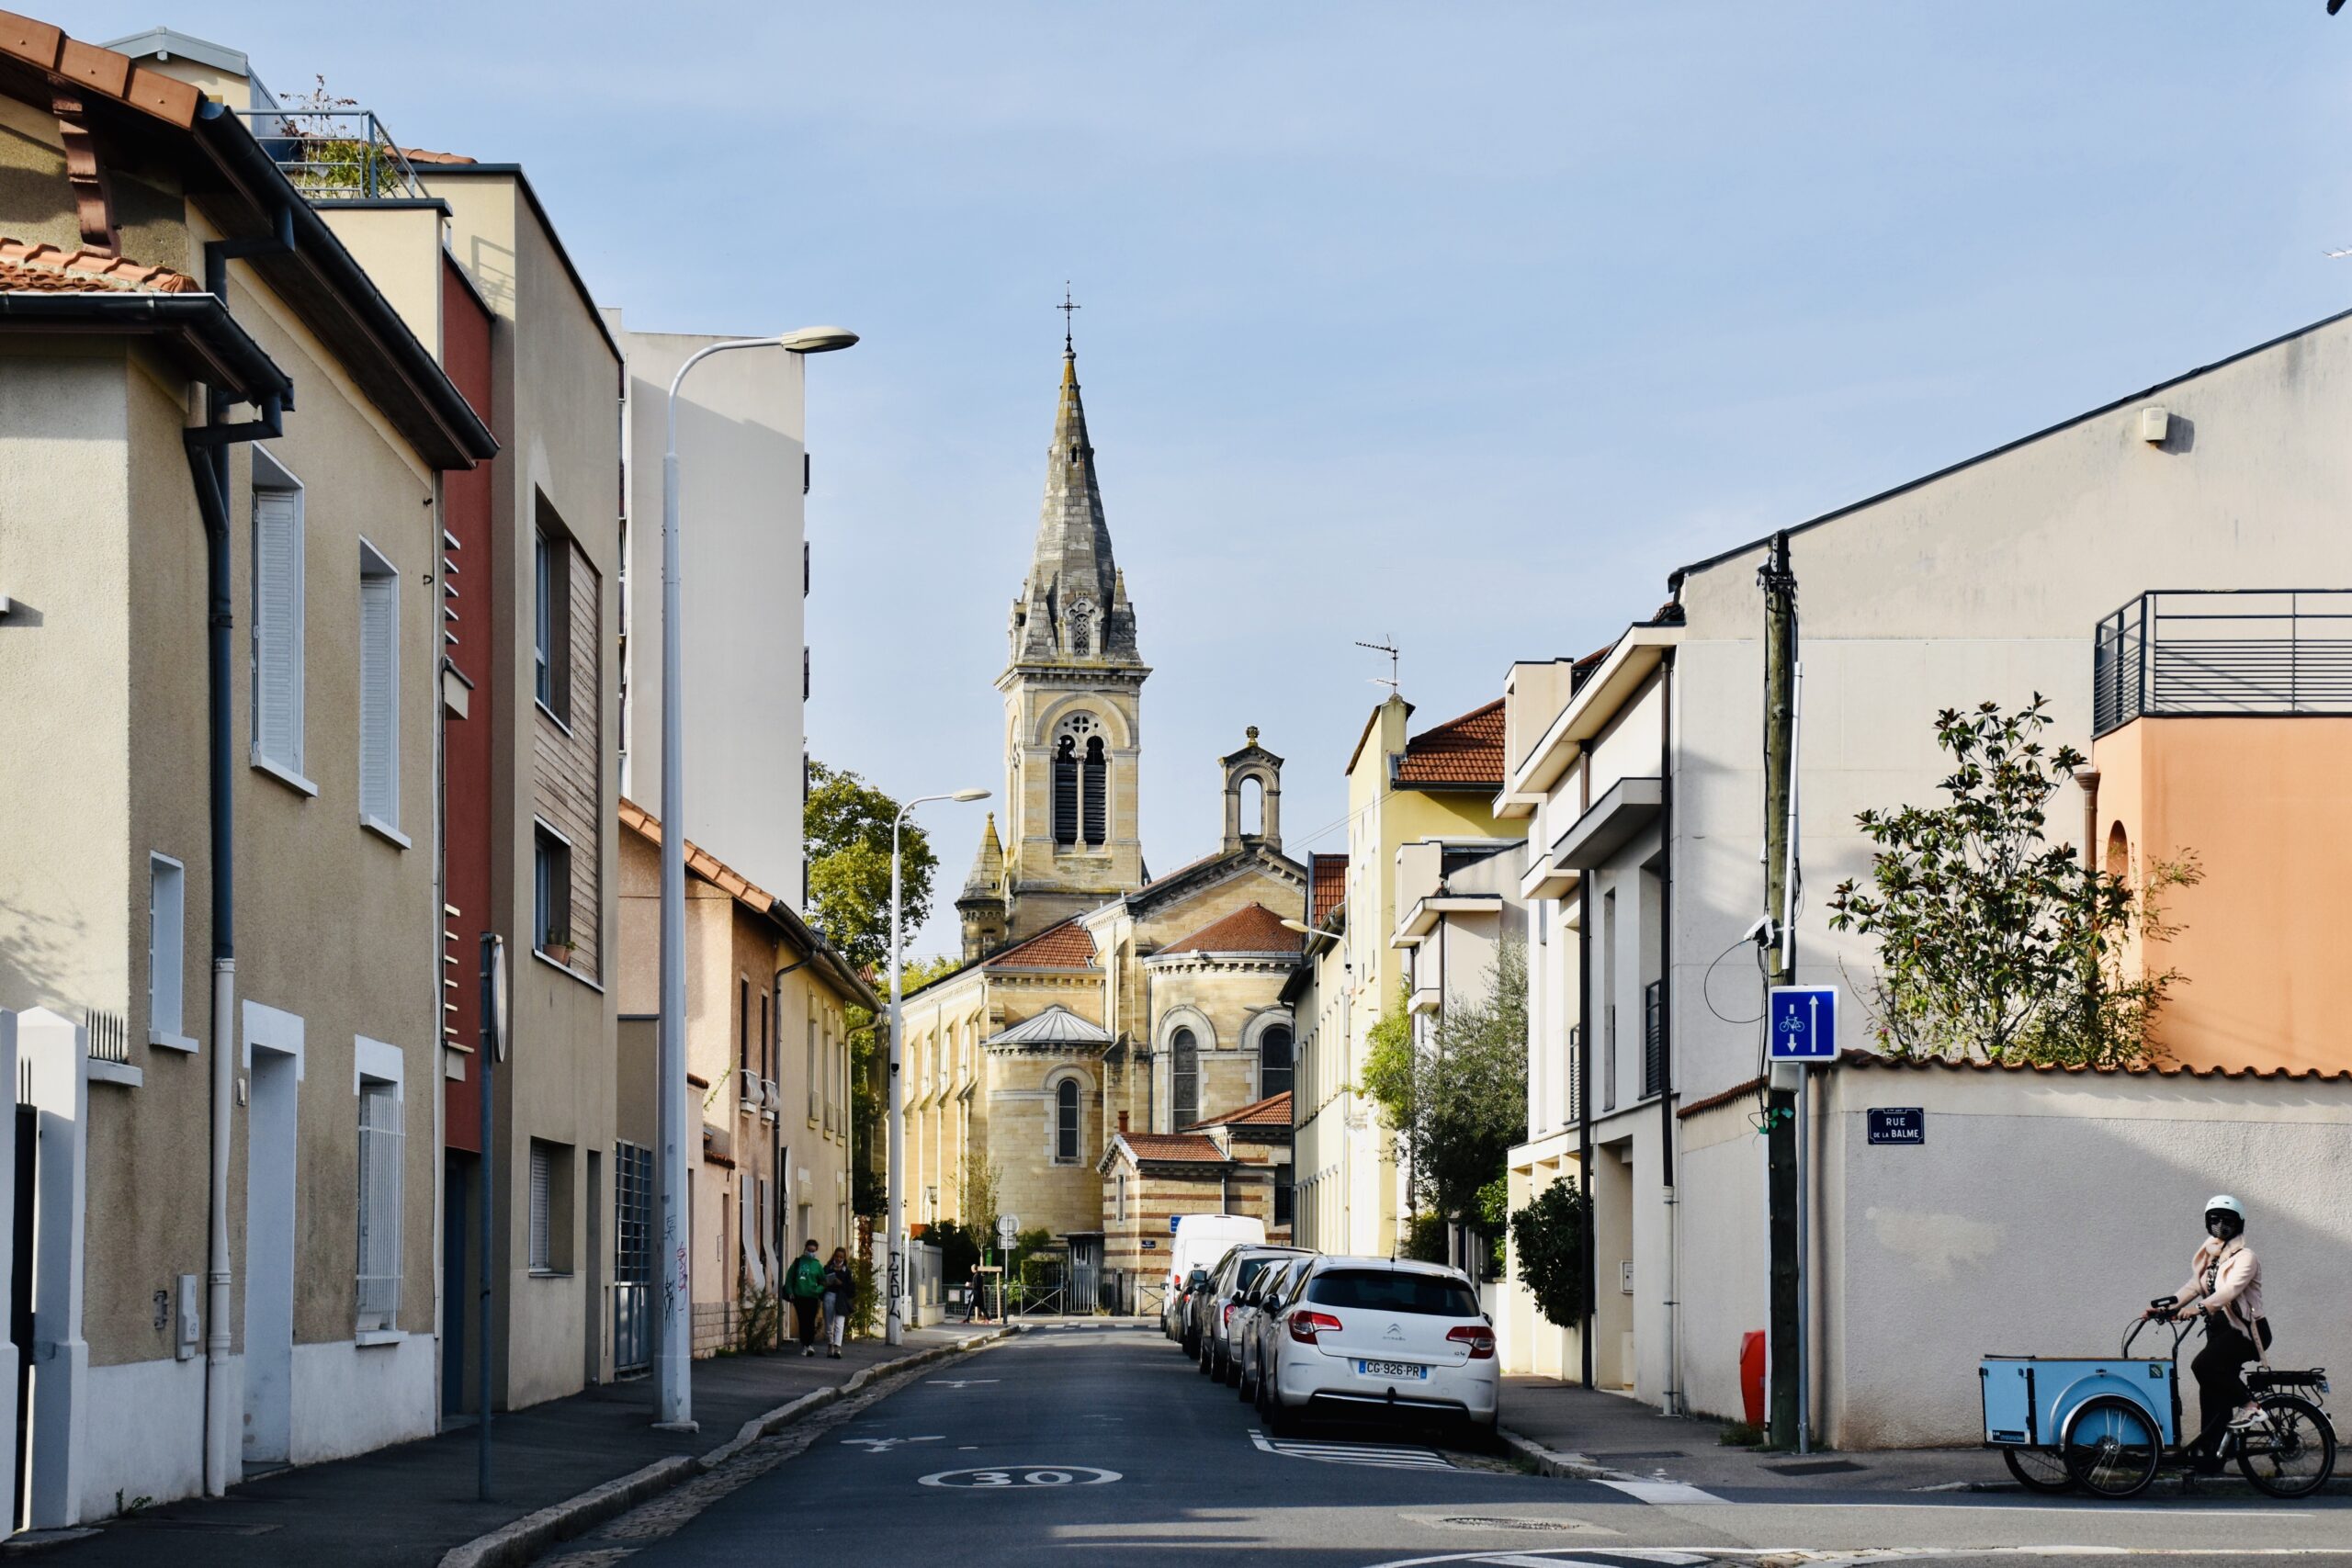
1065 791
2119 851
1274 1061
1097 777
1184 1080
1253 806
1065 1122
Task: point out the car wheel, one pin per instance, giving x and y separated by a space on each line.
1246 1385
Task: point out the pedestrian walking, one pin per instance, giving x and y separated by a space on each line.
841 1296
805 1286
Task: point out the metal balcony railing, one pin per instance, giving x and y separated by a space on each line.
1653 1038
2211 652
332 155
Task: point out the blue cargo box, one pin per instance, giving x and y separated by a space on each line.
2030 1399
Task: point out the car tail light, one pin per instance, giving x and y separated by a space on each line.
1229 1314
1306 1325
1481 1341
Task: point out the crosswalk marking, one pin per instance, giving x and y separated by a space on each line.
1378 1456
1669 1493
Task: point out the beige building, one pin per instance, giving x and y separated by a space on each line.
1402 789
1237 1163
767 1056
1093 997
221 645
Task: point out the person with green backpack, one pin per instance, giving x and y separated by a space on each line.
804 1286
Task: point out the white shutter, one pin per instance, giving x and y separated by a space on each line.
380 1140
542 1259
278 628
379 685
166 925
747 1227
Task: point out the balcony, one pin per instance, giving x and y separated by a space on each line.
2209 653
335 154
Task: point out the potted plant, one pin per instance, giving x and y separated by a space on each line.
557 944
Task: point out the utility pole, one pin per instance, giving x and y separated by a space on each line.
1780 586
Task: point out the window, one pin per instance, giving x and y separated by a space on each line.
1095 780
166 950
552 622
277 620
381 1142
1065 791
811 1079
1121 1212
1274 1061
1284 1206
1393 1290
551 1240
380 691
767 1053
1065 1123
1184 1080
743 1022
551 893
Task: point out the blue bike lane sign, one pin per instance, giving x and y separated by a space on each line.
1804 1024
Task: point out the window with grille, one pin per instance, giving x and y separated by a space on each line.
379 690
542 1209
1065 791
1653 1038
1274 1061
277 621
1094 783
381 1142
1184 1080
632 1214
1065 1122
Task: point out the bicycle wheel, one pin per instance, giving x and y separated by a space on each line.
2295 1455
2114 1448
2038 1470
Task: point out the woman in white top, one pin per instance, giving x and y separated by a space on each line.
2225 1284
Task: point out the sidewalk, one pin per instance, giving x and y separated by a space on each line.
1622 1434
405 1507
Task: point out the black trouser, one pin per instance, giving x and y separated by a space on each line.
804 1313
2221 1383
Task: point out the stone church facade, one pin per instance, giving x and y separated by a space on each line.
1094 999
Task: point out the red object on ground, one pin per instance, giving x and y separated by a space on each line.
1751 1375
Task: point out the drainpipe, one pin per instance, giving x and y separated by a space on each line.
208 456
1666 1127
2088 780
1584 1112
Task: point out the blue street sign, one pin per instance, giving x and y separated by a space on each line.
1171 1222
1804 1024
1903 1126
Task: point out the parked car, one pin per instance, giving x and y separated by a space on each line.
1235 1273
1377 1335
1262 1314
1200 1240
1180 1307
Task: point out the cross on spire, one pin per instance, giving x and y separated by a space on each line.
1067 309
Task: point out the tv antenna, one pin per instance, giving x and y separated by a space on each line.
1390 680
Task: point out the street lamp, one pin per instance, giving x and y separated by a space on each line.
893 1220
673 1326
1301 926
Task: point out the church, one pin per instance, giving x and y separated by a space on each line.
1113 1050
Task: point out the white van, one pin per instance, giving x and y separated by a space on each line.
1201 1240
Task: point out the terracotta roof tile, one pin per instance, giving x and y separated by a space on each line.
1466 751
1062 946
38 267
1329 876
2149 1070
1196 1147
1272 1111
1252 928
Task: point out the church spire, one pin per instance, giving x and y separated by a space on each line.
1073 609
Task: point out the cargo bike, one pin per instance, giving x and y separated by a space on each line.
2109 1425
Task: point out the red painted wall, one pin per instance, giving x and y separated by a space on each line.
466 753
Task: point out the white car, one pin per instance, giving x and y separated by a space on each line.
1365 1336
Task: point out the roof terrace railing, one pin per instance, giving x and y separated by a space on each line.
2228 651
334 155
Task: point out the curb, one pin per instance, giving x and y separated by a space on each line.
523 1538
1550 1462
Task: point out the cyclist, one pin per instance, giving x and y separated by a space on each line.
2225 1285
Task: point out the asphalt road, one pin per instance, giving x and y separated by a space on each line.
1100 1444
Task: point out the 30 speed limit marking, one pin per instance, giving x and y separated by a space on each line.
1001 1478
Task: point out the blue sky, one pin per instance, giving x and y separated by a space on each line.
1460 324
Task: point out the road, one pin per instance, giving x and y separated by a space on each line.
1092 1444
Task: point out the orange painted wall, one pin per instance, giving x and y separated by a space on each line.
2267 937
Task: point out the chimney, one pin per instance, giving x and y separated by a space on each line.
1123 1120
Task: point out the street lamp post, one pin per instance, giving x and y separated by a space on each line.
893 1220
674 1325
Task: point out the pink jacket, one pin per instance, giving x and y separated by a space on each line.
2237 1283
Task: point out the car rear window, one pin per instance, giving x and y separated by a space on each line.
1381 1290
1248 1271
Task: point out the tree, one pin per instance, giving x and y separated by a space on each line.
1995 943
1548 1237
1473 1094
846 826
975 1189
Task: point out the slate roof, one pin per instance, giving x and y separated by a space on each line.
1465 752
1253 927
41 268
1330 882
1183 1146
1064 945
1272 1111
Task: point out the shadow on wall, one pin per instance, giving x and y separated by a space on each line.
35 951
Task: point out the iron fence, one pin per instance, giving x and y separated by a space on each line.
2213 652
335 154
109 1036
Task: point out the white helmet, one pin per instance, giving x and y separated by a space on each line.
2223 1203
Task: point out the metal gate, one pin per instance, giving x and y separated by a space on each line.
632 1259
1085 1274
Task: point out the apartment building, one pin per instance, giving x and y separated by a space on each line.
221 464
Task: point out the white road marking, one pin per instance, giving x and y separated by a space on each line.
884 1445
1373 1454
959 1383
1664 1493
1017 1477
